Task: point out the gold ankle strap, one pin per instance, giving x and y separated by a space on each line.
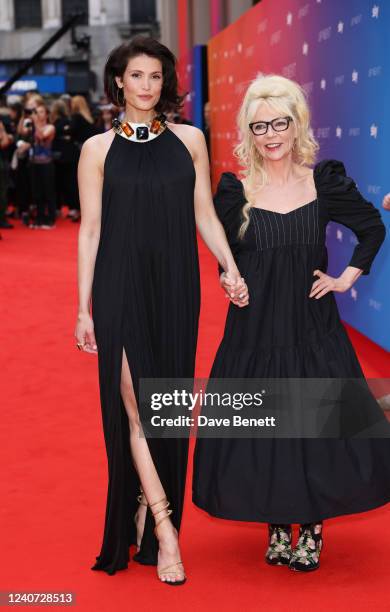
163 509
168 513
159 502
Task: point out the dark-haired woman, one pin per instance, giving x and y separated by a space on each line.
143 190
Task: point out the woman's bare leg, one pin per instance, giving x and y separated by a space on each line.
169 552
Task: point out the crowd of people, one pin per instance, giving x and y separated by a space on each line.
40 143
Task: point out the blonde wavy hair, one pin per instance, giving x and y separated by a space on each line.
79 104
287 98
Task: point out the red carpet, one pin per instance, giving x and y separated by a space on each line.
54 473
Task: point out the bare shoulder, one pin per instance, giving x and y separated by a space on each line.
191 136
99 141
96 147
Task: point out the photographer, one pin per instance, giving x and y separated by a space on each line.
6 141
19 174
106 113
21 161
42 166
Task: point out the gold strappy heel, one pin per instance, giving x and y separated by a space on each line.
168 569
141 503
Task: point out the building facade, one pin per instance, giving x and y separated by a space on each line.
76 61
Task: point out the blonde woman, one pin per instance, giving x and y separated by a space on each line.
275 219
82 127
82 123
79 106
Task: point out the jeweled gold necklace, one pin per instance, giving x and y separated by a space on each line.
142 131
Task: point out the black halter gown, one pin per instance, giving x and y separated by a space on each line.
145 299
283 333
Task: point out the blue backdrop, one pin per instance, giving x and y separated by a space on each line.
351 120
339 51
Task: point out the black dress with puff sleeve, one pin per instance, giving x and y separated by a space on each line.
283 333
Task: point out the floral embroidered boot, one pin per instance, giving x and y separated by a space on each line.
306 553
279 549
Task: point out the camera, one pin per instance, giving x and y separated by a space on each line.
30 136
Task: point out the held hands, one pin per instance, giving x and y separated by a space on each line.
84 334
235 288
327 283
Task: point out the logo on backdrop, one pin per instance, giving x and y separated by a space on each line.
339 58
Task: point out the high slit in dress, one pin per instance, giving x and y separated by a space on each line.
145 300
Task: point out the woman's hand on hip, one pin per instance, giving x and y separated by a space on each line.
327 283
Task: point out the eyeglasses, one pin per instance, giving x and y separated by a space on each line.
278 125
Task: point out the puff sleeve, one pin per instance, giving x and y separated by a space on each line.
347 206
228 202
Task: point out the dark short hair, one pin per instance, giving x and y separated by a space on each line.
117 61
